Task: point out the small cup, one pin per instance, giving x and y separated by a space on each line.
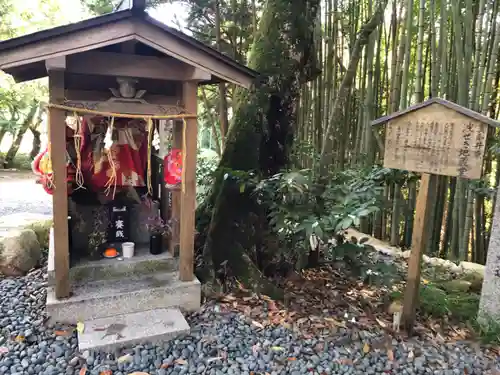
128 249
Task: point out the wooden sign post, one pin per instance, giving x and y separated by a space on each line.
435 137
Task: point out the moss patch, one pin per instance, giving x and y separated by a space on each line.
42 230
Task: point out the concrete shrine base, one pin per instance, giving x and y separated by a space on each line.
142 295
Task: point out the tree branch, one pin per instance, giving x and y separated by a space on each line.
345 86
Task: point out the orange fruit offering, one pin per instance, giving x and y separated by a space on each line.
110 253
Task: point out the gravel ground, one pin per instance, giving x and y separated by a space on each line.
19 193
220 343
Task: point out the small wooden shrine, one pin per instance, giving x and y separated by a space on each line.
121 68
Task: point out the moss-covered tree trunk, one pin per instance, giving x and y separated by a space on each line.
231 223
36 143
14 147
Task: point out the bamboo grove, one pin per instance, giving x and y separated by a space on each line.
422 49
377 57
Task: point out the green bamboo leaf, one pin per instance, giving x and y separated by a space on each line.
344 223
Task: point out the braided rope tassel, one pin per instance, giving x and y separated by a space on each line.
150 141
78 141
50 176
112 181
184 125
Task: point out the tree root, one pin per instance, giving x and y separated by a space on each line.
230 233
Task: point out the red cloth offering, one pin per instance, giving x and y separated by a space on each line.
172 167
42 167
127 154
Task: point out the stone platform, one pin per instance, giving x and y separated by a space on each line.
104 298
151 326
143 292
142 263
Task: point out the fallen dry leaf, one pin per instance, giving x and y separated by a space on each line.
277 348
345 361
440 338
381 323
271 305
19 338
210 360
138 373
83 371
125 358
292 359
180 361
390 355
326 293
241 286
165 366
255 348
4 349
62 333
223 354
336 322
106 372
229 298
257 324
366 348
80 327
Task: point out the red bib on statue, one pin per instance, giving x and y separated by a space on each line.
42 167
172 167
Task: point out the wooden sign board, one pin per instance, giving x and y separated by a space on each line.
435 137
438 140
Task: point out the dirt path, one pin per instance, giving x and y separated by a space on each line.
20 194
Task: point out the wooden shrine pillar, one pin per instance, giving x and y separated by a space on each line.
57 139
188 186
175 214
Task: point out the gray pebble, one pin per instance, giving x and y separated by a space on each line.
74 361
58 351
90 361
244 347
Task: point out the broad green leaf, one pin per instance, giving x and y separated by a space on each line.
345 223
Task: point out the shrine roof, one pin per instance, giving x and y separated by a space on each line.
453 106
24 56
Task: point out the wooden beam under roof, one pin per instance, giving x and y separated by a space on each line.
127 65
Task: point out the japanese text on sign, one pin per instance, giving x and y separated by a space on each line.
443 145
119 224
